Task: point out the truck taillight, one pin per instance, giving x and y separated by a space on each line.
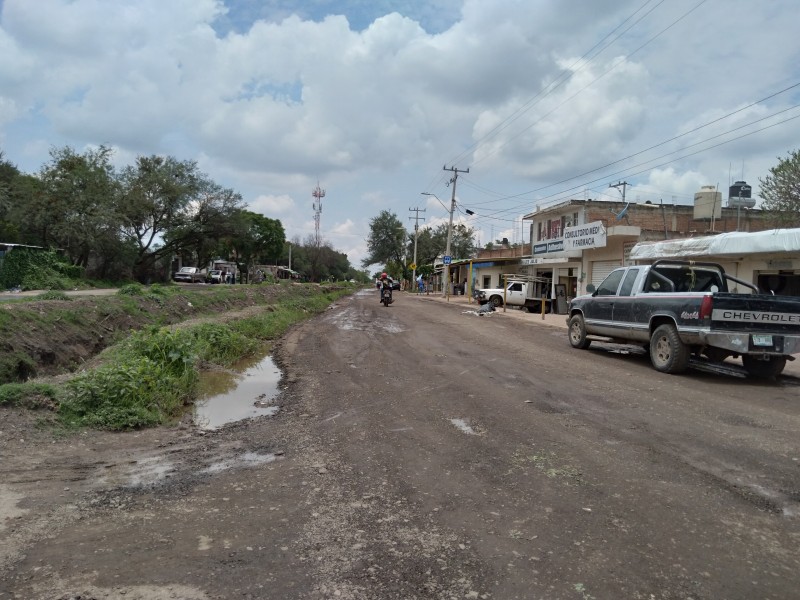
706 306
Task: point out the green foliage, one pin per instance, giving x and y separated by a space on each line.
136 392
16 366
221 344
52 295
147 384
173 350
32 269
781 191
132 289
150 376
386 239
28 395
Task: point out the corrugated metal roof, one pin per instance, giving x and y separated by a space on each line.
725 244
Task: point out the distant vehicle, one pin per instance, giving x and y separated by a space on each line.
676 309
214 276
527 293
396 285
189 275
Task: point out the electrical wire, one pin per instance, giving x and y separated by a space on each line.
595 80
558 82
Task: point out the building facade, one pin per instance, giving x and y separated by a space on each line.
578 242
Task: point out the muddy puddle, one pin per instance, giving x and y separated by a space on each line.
247 390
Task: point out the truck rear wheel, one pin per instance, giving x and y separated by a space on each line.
667 352
577 333
763 369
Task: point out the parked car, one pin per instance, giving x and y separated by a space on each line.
189 275
395 285
214 276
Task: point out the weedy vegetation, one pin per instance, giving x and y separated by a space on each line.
149 377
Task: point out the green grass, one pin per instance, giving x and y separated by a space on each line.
149 376
28 395
152 375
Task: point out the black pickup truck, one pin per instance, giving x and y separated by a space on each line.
677 309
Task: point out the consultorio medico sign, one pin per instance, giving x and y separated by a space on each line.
580 237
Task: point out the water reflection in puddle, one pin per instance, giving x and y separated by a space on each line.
246 391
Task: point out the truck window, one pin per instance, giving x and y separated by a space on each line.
627 283
610 284
515 287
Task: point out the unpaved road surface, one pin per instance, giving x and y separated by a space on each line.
424 452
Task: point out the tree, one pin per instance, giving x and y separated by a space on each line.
156 194
255 239
432 243
781 191
386 241
76 210
8 177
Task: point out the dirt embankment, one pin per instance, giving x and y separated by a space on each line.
52 337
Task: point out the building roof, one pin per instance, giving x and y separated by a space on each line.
724 244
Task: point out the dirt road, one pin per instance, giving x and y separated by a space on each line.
422 451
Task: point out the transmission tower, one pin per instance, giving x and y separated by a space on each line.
318 194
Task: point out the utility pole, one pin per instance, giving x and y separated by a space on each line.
455 171
416 234
616 185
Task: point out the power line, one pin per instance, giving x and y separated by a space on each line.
595 80
560 80
654 146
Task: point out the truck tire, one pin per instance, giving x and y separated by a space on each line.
497 301
577 333
763 369
667 352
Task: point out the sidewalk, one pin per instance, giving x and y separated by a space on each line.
792 368
464 303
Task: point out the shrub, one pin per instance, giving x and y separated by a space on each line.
28 395
52 295
138 392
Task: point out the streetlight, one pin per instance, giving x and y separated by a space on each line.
446 286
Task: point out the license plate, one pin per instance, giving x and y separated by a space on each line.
762 340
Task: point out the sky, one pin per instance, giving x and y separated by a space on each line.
375 100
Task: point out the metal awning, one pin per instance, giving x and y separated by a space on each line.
725 244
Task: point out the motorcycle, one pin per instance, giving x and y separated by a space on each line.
386 295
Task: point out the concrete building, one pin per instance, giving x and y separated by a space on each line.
578 242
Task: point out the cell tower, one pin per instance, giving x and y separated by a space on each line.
318 194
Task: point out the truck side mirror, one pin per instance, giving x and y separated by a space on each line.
590 288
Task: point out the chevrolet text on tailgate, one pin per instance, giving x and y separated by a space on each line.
677 309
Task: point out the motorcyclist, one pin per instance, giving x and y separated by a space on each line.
385 284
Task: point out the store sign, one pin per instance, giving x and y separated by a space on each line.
544 248
585 237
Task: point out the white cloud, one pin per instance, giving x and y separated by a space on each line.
269 102
271 206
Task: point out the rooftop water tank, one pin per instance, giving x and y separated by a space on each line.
708 203
739 195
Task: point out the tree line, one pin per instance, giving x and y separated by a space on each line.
390 244
136 222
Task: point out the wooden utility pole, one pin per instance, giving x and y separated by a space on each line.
448 258
416 234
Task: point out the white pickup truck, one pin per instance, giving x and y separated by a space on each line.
527 293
